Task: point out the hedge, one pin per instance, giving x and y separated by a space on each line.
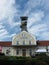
38 60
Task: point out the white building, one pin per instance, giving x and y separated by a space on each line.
23 44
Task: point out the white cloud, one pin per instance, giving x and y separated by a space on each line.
1 26
44 35
37 28
35 17
40 31
36 10
3 31
3 34
31 4
14 24
8 11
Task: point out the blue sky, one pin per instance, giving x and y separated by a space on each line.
38 18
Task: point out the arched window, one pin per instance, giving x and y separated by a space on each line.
29 42
30 51
17 42
23 42
17 51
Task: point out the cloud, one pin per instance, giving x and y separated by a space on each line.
35 17
3 31
1 26
13 24
8 11
3 34
35 5
44 35
40 31
37 28
38 17
38 12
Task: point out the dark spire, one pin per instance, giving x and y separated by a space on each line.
23 25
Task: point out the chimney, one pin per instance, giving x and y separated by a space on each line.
23 25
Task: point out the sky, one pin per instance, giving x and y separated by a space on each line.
37 23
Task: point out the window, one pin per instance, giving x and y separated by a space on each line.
23 42
17 51
29 42
24 36
7 51
17 42
30 51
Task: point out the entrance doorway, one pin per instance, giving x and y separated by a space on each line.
24 52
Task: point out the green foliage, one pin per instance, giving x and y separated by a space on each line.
41 63
38 60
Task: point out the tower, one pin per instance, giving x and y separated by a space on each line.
23 25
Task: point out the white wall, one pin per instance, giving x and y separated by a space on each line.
6 48
28 37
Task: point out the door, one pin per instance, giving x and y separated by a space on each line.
24 52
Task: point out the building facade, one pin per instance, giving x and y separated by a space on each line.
24 44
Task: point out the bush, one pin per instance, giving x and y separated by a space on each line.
2 54
41 63
39 60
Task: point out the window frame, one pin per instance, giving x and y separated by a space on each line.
17 43
23 42
29 42
17 51
7 51
30 51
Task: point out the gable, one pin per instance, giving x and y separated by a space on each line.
24 36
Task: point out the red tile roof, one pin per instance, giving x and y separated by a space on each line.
9 43
39 43
43 43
